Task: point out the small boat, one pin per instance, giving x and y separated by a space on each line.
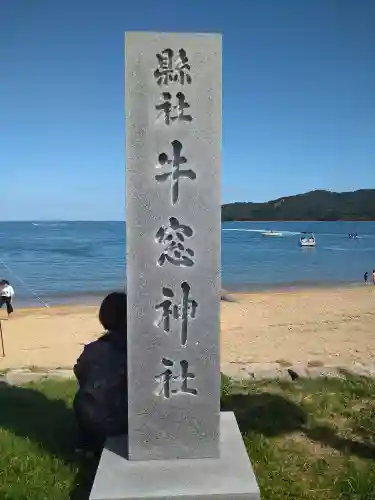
308 240
272 233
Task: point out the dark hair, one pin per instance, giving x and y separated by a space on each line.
112 312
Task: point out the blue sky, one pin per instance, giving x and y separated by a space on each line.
298 98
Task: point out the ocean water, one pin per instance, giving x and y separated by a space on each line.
60 262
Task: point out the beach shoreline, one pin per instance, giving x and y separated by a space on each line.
309 325
94 298
250 288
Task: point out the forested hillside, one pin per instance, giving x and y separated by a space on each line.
315 205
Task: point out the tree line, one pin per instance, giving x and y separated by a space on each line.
314 205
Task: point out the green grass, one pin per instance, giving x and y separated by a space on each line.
37 444
310 439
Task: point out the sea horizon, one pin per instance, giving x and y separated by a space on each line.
64 262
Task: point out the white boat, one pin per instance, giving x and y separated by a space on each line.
307 240
272 233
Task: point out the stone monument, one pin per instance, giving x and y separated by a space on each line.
178 445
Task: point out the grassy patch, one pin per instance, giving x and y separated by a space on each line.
37 444
310 439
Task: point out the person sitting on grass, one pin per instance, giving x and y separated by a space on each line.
101 402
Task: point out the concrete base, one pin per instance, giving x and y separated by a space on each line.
228 477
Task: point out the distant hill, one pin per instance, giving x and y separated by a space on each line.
314 205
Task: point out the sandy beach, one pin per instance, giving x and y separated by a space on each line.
327 326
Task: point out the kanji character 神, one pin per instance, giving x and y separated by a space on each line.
183 311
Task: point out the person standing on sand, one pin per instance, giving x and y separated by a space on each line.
365 277
373 276
7 294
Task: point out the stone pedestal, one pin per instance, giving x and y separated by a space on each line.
228 477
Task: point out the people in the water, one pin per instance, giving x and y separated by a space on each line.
6 296
353 235
366 276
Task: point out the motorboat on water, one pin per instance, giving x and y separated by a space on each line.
272 233
307 240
